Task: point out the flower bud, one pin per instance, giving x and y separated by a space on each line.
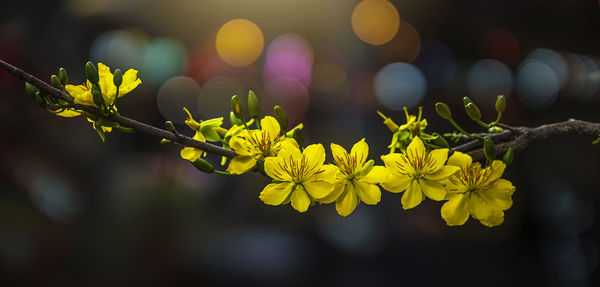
234 120
281 117
298 135
39 99
495 129
466 101
55 82
97 96
440 141
366 167
500 104
165 141
170 126
473 111
237 108
253 105
91 73
118 77
203 165
489 148
508 156
443 110
62 76
31 89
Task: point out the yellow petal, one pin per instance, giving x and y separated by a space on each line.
314 155
330 173
497 170
69 113
199 136
130 82
240 145
498 194
360 151
478 208
317 188
396 183
433 189
106 84
241 164
397 163
81 94
273 168
413 196
437 158
335 194
300 200
455 211
347 202
378 174
495 219
290 151
276 193
460 159
415 148
338 152
368 193
453 189
190 153
270 126
443 173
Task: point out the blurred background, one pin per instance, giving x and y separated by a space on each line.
129 212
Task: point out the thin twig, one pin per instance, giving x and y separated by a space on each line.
122 120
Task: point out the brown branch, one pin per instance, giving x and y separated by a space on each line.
519 137
122 120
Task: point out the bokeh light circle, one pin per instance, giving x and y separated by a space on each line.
400 84
163 59
176 93
216 93
239 42
537 85
289 55
487 79
119 48
405 47
375 22
290 94
554 60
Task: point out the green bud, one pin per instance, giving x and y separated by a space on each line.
31 89
97 96
489 148
210 134
473 111
467 101
500 104
118 77
367 167
91 72
495 129
62 76
234 120
170 126
39 99
280 117
55 82
253 106
508 156
237 108
203 165
165 141
298 135
443 110
440 141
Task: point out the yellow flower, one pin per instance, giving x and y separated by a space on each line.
299 177
82 94
419 172
254 145
477 191
211 129
190 153
357 180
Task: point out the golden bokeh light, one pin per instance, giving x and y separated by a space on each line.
375 21
239 42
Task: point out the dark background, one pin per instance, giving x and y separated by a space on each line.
129 212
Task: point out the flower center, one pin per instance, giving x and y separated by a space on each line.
262 143
298 169
422 163
347 164
472 176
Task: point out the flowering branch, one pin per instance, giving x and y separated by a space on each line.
125 121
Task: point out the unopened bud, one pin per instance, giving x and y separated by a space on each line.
234 120
473 111
440 141
55 82
253 105
489 149
466 101
31 89
281 117
170 126
495 129
165 141
62 76
443 110
91 73
500 104
118 77
237 108
203 165
508 156
39 99
97 96
298 135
